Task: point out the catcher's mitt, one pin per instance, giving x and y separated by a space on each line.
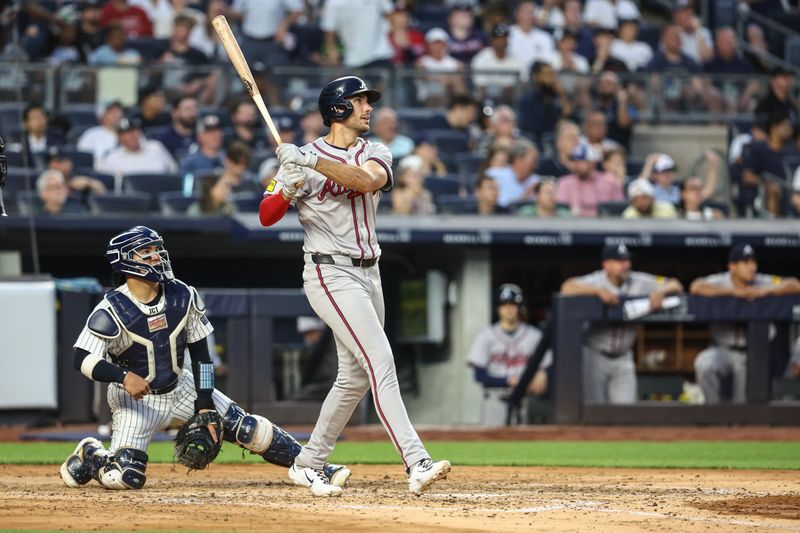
194 446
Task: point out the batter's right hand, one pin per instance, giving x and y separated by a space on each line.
135 385
289 153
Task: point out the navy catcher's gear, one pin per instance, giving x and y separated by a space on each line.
125 470
260 436
333 100
85 463
194 445
102 324
120 253
283 449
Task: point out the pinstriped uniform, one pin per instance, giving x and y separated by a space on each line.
134 422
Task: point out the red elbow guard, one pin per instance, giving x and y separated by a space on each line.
272 209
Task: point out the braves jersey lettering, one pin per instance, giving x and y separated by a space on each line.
335 189
503 355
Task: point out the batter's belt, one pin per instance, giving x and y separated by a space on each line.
342 260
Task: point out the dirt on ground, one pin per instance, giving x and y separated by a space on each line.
259 497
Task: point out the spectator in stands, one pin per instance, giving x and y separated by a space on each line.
86 185
516 180
178 137
728 354
408 43
616 102
265 27
573 22
758 58
311 125
434 88
644 205
502 130
609 370
432 165
565 59
36 137
466 40
762 164
182 62
102 138
692 203
595 129
203 36
90 34
614 163
545 205
540 109
384 129
136 155
695 39
626 48
671 57
660 170
550 14
486 194
567 139
215 196
496 73
726 59
234 168
152 112
462 112
207 154
604 13
53 196
778 101
63 45
736 149
286 130
246 125
603 61
369 47
114 51
587 187
409 196
161 14
497 157
526 42
133 20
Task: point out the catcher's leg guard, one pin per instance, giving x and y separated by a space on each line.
125 470
83 464
260 436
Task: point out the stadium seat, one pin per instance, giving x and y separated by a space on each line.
441 186
415 120
246 202
454 204
81 117
611 209
152 183
14 158
111 204
175 203
108 180
149 47
633 167
467 164
10 117
449 141
78 157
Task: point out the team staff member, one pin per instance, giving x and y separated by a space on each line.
135 340
609 370
501 351
727 356
336 183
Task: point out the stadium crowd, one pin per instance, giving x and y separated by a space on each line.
508 108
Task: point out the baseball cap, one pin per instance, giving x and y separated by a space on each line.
126 124
501 30
309 323
664 163
436 34
618 252
209 122
509 293
640 187
677 5
627 11
461 5
741 252
584 152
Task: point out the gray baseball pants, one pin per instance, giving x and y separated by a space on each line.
608 380
715 363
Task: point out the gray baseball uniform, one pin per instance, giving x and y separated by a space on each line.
503 355
609 370
345 291
727 356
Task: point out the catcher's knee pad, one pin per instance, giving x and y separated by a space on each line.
252 432
125 470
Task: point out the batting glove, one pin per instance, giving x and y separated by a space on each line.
293 177
289 153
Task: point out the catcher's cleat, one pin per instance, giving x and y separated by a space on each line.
337 475
423 474
316 480
77 469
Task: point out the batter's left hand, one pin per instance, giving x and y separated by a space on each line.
289 153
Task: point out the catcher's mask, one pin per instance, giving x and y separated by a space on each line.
126 255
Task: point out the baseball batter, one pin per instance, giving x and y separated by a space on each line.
609 370
500 353
336 183
135 340
728 354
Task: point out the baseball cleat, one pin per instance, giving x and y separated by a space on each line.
337 475
75 472
423 474
316 480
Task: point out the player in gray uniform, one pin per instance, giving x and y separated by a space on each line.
336 183
609 370
500 353
135 340
727 356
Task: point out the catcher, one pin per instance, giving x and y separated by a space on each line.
135 339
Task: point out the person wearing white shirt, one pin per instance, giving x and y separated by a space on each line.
526 42
135 154
101 139
496 72
365 45
635 54
516 180
604 13
160 12
565 59
695 39
434 88
265 28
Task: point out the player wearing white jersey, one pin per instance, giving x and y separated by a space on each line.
336 182
135 340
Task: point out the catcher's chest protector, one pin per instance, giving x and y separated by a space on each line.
158 338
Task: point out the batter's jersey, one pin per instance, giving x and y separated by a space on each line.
337 220
731 334
504 355
617 339
163 360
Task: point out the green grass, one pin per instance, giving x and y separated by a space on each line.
682 454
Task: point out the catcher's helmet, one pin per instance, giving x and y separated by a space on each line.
333 100
509 293
120 254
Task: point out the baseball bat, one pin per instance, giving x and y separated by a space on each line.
236 56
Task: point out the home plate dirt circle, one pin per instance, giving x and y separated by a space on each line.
256 497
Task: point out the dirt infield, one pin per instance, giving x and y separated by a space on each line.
258 497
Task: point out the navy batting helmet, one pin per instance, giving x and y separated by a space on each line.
333 100
120 253
509 293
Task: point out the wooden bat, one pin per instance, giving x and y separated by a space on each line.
234 52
